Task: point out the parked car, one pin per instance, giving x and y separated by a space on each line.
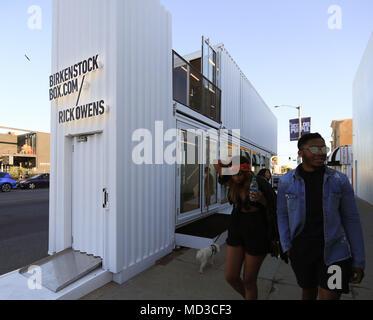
7 182
39 181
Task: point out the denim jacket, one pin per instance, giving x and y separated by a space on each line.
342 229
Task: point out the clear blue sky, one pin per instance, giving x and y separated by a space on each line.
284 47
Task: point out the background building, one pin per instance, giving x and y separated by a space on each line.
23 149
341 156
363 126
342 133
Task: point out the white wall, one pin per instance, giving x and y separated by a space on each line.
133 39
363 124
243 108
145 193
81 29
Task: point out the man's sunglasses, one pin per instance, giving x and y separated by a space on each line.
315 150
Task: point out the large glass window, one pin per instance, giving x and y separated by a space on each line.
190 174
180 80
209 61
195 91
256 166
262 162
210 175
245 152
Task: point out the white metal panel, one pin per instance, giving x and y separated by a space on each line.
363 124
145 193
87 195
243 108
133 39
81 29
231 92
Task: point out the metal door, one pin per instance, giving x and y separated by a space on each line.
87 194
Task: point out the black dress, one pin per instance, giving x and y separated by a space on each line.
251 231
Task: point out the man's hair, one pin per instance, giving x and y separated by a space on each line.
309 136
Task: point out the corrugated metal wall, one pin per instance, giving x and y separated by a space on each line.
81 29
133 39
146 193
362 126
243 108
87 195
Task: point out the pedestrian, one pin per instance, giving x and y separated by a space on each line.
209 188
252 226
266 173
319 224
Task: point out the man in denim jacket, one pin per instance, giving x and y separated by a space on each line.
319 224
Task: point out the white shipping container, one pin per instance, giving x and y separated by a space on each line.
132 39
362 126
243 108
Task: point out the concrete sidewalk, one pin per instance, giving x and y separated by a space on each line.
176 277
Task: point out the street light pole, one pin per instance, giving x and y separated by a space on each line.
299 117
300 121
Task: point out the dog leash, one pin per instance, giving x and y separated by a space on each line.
218 237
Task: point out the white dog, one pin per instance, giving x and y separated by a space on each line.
205 254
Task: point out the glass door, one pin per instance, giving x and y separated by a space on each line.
189 171
196 178
210 176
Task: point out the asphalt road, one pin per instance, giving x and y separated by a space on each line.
24 216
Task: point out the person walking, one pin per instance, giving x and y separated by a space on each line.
266 173
209 188
319 224
252 226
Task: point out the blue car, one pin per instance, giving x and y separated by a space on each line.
7 183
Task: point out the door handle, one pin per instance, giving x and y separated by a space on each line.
106 198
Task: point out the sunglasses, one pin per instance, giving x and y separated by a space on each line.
315 150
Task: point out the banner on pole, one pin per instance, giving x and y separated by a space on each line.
294 128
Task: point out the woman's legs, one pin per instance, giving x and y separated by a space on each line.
235 258
252 267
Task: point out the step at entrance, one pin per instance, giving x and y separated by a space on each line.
203 233
62 269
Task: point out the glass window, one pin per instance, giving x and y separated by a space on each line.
262 162
190 174
195 91
256 162
210 175
180 80
209 62
245 152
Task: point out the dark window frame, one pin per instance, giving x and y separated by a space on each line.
217 94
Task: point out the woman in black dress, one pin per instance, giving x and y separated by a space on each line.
266 173
252 226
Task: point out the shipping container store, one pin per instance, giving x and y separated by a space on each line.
116 82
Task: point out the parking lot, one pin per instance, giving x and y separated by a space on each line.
24 216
